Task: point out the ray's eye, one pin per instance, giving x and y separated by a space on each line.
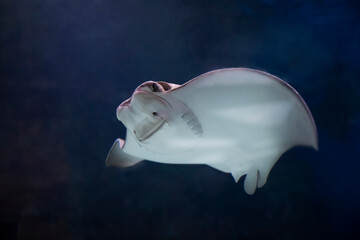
154 87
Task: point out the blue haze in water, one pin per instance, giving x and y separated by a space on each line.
66 65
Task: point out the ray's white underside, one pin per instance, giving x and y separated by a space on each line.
236 120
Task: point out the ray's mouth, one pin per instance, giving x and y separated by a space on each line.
145 131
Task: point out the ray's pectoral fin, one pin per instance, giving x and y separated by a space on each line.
116 157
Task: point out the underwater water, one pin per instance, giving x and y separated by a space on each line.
66 65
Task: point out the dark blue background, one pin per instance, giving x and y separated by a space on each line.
66 65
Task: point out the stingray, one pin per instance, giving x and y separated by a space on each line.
236 120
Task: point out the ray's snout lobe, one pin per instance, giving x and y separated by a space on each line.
120 109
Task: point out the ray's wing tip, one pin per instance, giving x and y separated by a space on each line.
116 157
314 142
316 145
110 161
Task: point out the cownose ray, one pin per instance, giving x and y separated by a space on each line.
236 120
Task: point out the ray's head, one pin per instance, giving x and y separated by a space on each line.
146 110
